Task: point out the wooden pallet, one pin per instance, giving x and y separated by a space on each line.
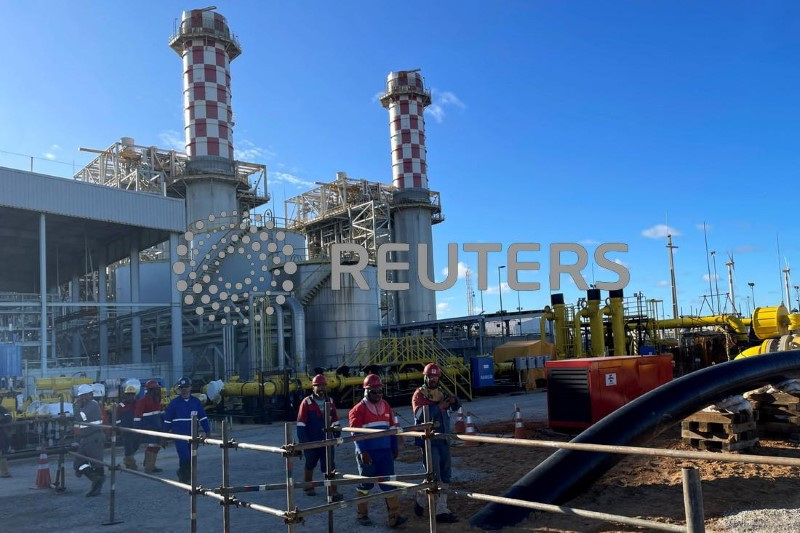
719 446
780 414
745 431
713 431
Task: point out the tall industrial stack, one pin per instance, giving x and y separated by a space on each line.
206 45
406 99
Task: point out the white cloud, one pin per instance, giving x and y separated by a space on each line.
744 249
660 231
662 283
708 227
172 140
588 242
245 150
289 178
462 270
443 307
492 289
55 147
620 262
48 155
713 277
441 100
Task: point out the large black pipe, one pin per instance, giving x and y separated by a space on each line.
567 473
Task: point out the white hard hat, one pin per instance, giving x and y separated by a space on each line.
85 389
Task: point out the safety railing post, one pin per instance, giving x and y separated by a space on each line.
113 471
193 477
428 450
328 464
693 500
290 505
226 475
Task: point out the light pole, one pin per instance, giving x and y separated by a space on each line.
748 305
481 300
752 293
716 281
500 291
519 309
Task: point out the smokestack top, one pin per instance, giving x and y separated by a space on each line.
199 23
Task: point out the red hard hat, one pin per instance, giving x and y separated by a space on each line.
432 369
152 384
373 382
319 379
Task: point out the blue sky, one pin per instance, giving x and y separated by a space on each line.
553 121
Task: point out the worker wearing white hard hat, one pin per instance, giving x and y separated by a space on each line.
88 419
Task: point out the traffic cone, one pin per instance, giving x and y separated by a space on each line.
43 472
519 426
459 426
470 431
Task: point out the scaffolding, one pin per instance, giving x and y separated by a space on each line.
150 169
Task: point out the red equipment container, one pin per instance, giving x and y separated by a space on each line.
582 391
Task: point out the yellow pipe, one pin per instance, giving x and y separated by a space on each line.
546 316
794 322
617 322
731 321
771 322
596 323
576 328
560 315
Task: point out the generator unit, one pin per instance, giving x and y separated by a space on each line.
582 391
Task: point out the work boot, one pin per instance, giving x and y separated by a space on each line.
4 467
97 478
393 510
362 510
336 496
129 461
185 472
150 460
308 477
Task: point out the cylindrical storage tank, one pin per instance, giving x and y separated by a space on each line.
337 320
771 322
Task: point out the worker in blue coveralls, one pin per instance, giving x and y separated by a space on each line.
311 427
178 420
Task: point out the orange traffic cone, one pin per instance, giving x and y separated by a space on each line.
459 426
519 426
470 431
43 472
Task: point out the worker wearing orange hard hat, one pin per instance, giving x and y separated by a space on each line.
440 403
311 427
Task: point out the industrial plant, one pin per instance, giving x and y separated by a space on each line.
153 264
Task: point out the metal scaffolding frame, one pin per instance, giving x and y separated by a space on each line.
129 166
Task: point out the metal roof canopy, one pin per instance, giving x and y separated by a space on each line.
85 223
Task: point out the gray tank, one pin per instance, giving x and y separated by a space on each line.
336 321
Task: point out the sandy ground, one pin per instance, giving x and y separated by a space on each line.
642 487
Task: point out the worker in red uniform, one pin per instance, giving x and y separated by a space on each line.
149 415
375 457
440 403
311 427
124 415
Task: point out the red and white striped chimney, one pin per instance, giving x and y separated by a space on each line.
406 99
206 45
